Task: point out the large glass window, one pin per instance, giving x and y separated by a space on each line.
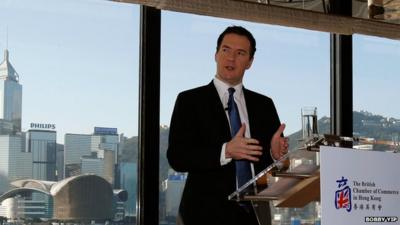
68 109
376 114
291 66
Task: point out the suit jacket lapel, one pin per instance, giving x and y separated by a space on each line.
217 106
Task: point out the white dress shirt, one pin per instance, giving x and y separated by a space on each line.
222 89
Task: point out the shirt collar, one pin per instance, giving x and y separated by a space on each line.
222 87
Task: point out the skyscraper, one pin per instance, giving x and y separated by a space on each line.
42 145
10 95
15 161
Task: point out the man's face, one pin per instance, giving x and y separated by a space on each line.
233 58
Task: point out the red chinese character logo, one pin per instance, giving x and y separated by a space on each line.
343 195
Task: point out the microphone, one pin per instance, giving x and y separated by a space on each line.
226 108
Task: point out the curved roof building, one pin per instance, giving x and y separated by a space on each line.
82 197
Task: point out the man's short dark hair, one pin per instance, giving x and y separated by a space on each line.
239 31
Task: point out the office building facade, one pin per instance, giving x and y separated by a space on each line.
173 188
92 165
128 180
42 144
15 160
75 146
92 153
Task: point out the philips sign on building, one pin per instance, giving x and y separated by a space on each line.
48 126
42 143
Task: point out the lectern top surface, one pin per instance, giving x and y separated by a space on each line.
270 183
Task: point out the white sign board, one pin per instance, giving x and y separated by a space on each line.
359 187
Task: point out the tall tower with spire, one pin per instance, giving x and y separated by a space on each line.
10 96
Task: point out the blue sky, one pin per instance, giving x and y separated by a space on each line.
78 64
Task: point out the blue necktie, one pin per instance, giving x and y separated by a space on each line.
243 171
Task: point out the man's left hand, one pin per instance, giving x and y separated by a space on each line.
279 144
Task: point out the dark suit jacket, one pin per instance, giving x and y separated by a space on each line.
199 127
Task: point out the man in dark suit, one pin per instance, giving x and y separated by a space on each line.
203 143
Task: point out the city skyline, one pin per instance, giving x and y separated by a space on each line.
65 76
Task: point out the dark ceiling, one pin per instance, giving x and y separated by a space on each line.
380 10
379 18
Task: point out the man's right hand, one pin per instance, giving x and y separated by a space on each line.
241 147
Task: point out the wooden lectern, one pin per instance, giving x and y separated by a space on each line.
293 182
